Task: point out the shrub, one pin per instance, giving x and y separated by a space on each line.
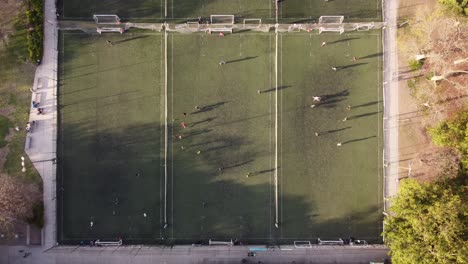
457 6
35 36
415 64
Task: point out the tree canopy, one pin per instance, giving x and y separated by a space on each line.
458 6
428 223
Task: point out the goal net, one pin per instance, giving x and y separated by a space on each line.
252 23
222 19
330 242
294 28
224 30
302 244
331 19
364 26
332 28
101 30
224 243
106 19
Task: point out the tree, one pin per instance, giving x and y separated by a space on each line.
17 199
428 223
453 133
457 6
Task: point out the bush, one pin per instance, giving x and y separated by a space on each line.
415 64
35 36
38 215
453 133
457 6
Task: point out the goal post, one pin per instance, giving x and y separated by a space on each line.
222 19
363 26
339 28
106 19
101 30
252 22
331 19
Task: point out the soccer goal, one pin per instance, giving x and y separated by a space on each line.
224 30
331 19
252 23
329 28
302 244
223 243
222 19
108 243
106 19
364 26
101 30
330 242
294 28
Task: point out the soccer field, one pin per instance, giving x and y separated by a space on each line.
182 10
216 137
110 137
340 186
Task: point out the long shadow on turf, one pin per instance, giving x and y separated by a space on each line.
362 115
350 66
372 55
357 140
366 104
206 108
340 40
243 59
282 87
129 39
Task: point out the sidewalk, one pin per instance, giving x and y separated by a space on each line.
41 141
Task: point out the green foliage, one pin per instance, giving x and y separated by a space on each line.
38 215
35 36
5 125
453 133
456 6
428 223
415 64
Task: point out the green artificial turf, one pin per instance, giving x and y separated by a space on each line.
232 132
339 187
352 10
240 8
134 9
110 136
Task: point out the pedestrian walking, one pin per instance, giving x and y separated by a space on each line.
312 106
334 68
323 44
317 134
338 144
198 152
184 125
348 108
221 34
184 114
259 92
345 119
221 63
110 43
354 59
316 98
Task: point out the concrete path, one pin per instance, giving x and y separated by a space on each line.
188 254
391 95
41 145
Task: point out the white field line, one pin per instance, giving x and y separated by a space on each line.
165 128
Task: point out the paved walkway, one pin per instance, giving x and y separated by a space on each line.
41 145
391 95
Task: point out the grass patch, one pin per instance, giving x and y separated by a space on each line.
5 125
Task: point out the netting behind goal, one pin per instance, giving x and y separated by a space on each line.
363 26
302 244
252 23
222 19
331 19
106 19
340 29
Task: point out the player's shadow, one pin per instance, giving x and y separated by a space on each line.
242 59
261 172
362 115
334 130
340 40
372 55
237 164
206 120
357 140
366 104
274 89
350 66
129 39
209 107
